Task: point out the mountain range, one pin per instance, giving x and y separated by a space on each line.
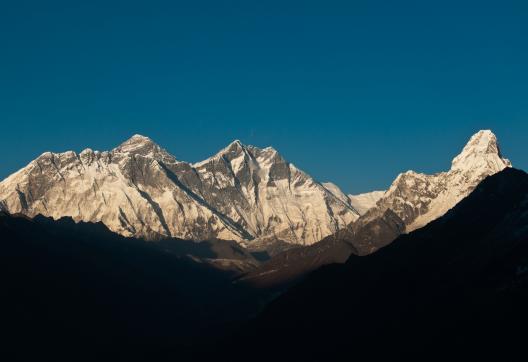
243 193
138 189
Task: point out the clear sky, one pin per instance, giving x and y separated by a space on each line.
353 92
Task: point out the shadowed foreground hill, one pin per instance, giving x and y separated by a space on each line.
79 292
456 288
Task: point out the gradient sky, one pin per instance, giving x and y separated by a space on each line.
353 92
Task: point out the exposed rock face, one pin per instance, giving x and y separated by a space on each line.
139 189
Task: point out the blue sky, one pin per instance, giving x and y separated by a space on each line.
353 92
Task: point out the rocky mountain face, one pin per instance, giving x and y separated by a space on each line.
138 189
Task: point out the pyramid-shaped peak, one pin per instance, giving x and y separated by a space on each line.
140 145
483 138
482 150
236 144
137 138
233 150
237 147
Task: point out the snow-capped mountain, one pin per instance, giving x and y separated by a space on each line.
268 196
138 189
417 198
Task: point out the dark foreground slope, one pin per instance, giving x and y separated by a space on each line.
457 288
79 292
291 266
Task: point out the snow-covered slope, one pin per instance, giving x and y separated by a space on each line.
361 203
138 189
336 191
364 202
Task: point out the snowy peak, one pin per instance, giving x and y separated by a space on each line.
234 150
135 141
237 153
140 145
481 152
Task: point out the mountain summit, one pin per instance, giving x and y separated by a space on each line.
481 152
138 144
138 189
143 146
